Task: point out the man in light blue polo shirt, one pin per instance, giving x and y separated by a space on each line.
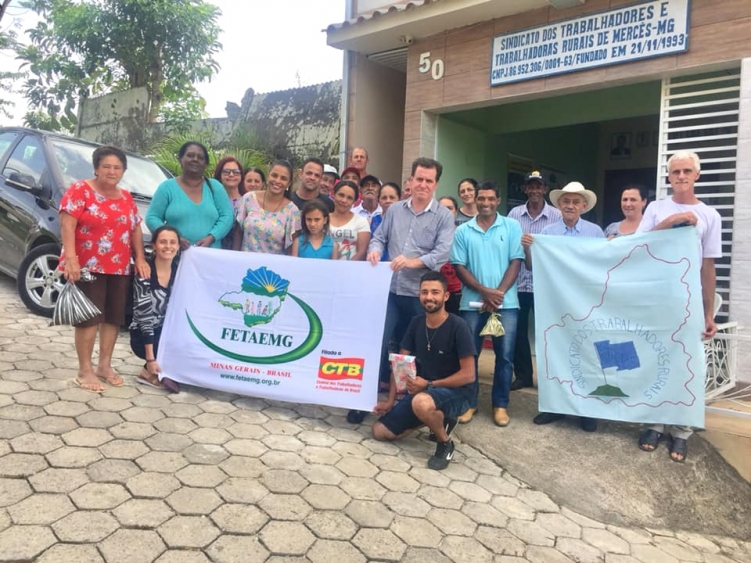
487 255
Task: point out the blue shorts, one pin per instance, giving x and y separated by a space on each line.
453 402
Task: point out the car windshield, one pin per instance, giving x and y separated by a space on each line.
74 160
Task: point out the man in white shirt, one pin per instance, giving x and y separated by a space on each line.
370 187
681 210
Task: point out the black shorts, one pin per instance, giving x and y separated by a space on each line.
453 402
109 293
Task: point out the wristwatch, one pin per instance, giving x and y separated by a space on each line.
430 384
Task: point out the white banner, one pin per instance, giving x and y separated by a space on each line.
291 329
638 31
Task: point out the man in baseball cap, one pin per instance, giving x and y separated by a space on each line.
328 180
370 188
533 216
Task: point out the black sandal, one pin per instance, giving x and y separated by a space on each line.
649 438
678 446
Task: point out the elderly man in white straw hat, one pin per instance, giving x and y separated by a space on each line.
573 201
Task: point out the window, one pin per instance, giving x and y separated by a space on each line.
6 140
27 163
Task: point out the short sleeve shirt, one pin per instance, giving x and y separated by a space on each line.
487 255
449 343
300 202
104 229
346 235
266 231
708 225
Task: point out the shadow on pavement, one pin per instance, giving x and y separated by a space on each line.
605 475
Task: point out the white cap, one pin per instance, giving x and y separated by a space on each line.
328 169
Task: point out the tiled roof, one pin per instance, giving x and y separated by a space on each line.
396 7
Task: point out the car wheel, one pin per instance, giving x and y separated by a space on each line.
39 281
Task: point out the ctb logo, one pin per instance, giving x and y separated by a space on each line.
335 369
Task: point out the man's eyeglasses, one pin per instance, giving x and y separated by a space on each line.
231 172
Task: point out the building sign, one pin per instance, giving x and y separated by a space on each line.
635 32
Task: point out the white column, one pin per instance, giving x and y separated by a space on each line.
740 271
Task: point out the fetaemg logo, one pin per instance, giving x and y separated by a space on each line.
259 301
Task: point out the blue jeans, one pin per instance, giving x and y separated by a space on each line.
503 346
401 309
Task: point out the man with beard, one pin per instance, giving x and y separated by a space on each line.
328 180
369 207
533 216
445 357
487 254
309 177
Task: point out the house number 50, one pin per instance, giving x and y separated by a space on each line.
434 67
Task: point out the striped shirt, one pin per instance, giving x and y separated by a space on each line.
547 216
426 235
581 229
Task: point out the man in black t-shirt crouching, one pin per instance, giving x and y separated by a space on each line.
445 352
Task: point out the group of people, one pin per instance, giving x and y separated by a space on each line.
454 265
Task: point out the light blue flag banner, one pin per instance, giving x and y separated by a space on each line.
618 327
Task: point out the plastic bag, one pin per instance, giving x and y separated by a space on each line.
404 367
493 327
73 307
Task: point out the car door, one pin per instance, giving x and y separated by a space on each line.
20 207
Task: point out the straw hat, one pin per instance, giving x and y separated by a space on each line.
575 188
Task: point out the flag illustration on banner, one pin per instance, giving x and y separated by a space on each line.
621 356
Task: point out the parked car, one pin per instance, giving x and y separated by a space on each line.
36 167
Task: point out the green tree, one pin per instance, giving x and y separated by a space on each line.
7 79
165 152
84 48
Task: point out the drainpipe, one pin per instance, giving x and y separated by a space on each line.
344 112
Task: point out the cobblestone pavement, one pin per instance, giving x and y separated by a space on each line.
136 475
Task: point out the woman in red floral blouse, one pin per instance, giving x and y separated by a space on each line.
100 229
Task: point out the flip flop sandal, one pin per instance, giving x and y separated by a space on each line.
86 386
678 446
649 438
147 381
116 381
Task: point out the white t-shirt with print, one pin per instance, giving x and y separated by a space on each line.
346 235
708 224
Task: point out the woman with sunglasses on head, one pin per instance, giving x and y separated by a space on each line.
196 206
229 172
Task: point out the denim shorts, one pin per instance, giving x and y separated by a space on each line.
453 402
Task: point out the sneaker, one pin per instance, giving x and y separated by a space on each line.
449 424
444 452
356 417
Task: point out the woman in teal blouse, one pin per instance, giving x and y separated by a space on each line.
198 207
